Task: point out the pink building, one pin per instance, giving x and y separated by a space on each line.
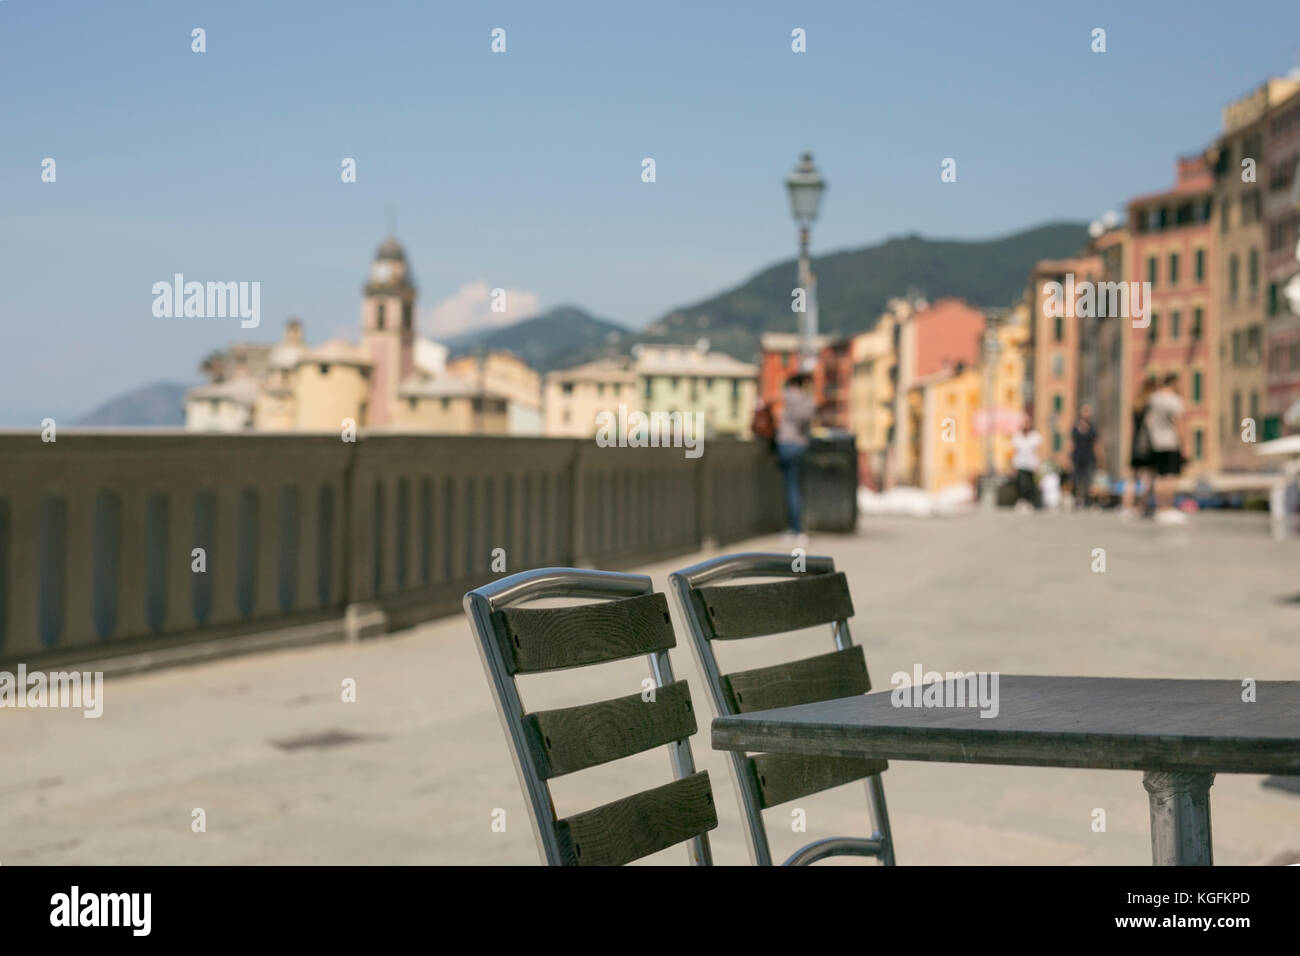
948 335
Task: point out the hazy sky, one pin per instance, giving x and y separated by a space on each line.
522 170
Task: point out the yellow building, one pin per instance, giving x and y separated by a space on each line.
451 406
505 374
331 384
903 458
392 379
871 397
575 396
951 412
949 449
685 378
276 407
658 378
1009 398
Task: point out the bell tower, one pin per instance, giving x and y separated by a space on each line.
388 327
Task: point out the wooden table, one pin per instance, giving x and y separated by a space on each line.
1179 733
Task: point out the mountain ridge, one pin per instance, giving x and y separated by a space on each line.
548 341
853 287
855 284
158 404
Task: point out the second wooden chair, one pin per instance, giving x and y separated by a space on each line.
816 594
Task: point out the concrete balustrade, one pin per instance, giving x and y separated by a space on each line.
308 538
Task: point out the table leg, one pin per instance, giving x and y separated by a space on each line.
1180 818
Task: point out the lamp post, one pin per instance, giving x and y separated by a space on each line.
805 186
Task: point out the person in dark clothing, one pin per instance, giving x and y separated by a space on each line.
1140 455
1083 456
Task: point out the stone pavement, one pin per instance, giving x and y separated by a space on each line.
413 770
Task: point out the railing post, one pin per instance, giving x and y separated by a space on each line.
1180 818
577 510
705 529
360 617
24 568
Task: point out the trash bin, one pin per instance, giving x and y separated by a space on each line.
830 483
1008 493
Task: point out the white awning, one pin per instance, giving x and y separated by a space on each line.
1285 447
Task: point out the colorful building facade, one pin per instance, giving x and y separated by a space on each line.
1282 234
1173 248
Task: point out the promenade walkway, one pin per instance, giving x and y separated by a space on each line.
412 772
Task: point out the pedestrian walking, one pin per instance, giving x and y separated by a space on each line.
791 447
1025 460
1083 456
1140 457
1164 420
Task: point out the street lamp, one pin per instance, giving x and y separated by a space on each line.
805 186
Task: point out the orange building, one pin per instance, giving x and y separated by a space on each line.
934 343
1058 336
1172 247
833 384
947 335
1281 211
780 359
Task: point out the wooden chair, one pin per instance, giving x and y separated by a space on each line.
632 620
816 595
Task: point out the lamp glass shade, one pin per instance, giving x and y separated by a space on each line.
805 186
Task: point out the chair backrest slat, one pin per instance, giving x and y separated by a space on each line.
784 777
824 677
618 832
629 619
752 610
575 738
547 639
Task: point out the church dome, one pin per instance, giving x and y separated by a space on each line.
392 250
389 271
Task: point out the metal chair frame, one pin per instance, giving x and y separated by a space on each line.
480 605
759 564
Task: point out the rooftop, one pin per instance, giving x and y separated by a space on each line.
788 342
602 370
444 386
336 352
687 360
241 390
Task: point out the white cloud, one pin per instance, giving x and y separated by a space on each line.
470 308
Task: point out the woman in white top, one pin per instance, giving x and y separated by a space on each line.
1024 460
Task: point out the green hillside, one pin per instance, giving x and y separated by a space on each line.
563 337
853 286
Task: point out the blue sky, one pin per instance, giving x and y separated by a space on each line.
522 170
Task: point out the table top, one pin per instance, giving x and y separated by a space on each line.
1110 723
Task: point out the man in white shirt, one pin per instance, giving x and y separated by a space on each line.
1024 459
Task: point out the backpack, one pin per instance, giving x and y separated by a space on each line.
1142 441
